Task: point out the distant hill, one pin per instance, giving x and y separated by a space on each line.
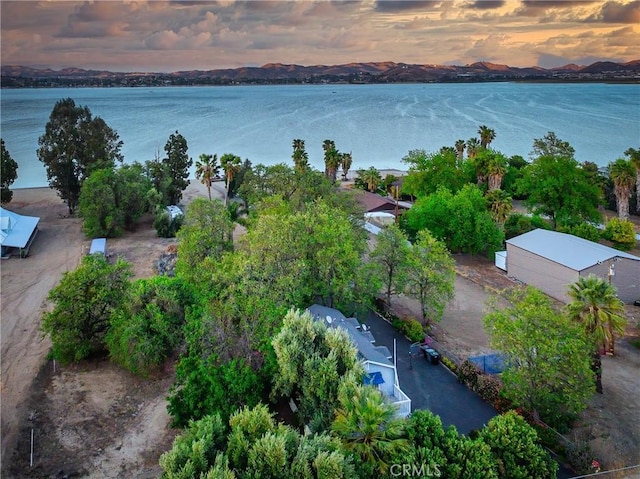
373 72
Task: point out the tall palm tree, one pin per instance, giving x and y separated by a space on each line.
500 204
369 429
331 159
623 174
207 169
634 157
300 156
473 146
231 165
371 178
487 135
460 145
595 305
345 163
496 168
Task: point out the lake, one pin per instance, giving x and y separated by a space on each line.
379 124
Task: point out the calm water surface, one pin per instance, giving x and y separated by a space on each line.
379 124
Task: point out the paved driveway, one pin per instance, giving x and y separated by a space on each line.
430 386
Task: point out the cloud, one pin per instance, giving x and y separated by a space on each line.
616 12
405 5
485 4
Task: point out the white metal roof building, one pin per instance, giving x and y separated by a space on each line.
17 232
552 261
379 369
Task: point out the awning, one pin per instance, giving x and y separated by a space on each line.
373 378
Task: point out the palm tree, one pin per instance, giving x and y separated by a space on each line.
346 163
331 159
634 157
623 174
499 204
300 156
371 178
496 168
460 145
487 135
231 165
369 428
207 169
473 145
595 305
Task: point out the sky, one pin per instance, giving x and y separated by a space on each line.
169 36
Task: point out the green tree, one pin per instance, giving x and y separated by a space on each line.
371 178
313 362
621 233
596 307
206 170
206 232
390 254
548 369
500 205
551 145
74 144
487 135
444 451
623 174
557 187
176 164
473 147
428 172
300 156
98 205
8 173
332 159
346 160
83 303
459 147
515 447
231 164
148 325
460 220
496 169
518 224
634 156
370 430
430 276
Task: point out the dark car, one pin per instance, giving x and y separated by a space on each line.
636 302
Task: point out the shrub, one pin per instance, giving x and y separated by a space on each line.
518 224
583 230
468 374
413 330
488 387
580 457
164 225
449 363
621 233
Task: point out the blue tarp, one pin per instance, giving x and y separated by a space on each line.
373 378
489 363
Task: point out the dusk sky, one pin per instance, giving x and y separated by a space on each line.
166 36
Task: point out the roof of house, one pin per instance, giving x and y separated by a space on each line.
98 245
565 249
375 202
15 229
333 318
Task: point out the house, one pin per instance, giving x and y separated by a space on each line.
374 203
552 261
17 232
376 360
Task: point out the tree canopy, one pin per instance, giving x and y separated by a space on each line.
74 144
8 173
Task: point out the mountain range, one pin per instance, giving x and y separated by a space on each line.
373 72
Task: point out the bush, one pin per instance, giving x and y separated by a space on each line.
583 230
449 363
488 387
165 226
580 457
621 233
468 374
410 328
518 224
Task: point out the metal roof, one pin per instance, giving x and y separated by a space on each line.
98 245
565 249
15 229
333 318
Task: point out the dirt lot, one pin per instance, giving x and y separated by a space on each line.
95 420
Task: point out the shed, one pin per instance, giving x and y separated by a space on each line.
17 232
98 246
552 261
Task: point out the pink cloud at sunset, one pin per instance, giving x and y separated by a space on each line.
164 36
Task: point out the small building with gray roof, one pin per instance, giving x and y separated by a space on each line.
17 233
552 261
